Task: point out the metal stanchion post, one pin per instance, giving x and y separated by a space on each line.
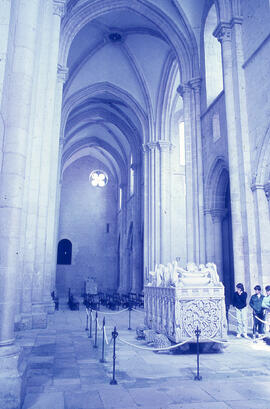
86 328
129 316
90 325
95 344
198 377
103 342
114 335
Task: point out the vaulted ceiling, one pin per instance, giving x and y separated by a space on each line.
119 63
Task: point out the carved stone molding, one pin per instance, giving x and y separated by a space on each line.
223 32
195 83
152 145
183 89
218 215
59 7
62 73
267 190
164 145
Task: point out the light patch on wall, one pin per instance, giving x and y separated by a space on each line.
216 127
182 143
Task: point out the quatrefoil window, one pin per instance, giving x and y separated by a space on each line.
98 178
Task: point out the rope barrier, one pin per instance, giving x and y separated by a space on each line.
264 322
105 335
154 349
99 327
217 341
110 313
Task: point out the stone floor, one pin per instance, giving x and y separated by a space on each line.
63 370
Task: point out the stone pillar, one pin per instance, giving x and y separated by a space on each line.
42 302
146 213
185 92
11 192
217 217
154 255
209 236
196 86
31 196
54 191
165 210
223 33
261 198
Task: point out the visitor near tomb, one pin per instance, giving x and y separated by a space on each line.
240 304
266 305
258 312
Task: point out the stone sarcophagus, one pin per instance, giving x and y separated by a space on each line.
177 301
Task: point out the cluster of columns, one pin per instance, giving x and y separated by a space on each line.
157 208
195 225
31 103
245 245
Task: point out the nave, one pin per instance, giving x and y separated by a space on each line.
63 370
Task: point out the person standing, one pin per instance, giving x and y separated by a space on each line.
266 305
240 304
258 312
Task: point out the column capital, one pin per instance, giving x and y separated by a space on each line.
164 145
218 215
223 32
183 89
152 145
59 7
256 186
267 190
236 20
62 73
195 83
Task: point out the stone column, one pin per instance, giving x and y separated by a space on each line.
154 257
217 217
146 248
261 197
31 195
42 302
165 211
185 92
54 191
11 191
196 86
223 33
209 236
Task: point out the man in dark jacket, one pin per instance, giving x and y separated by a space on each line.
240 304
256 305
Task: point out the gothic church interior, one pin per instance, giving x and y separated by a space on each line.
132 133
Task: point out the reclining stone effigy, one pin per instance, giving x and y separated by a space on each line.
177 301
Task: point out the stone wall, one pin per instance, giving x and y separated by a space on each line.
84 214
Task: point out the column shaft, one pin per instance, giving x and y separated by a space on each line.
14 160
224 34
185 92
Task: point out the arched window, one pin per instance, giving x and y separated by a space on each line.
64 252
213 60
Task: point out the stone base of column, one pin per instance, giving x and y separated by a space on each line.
10 380
39 316
49 306
23 321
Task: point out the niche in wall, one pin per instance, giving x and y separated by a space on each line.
64 252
